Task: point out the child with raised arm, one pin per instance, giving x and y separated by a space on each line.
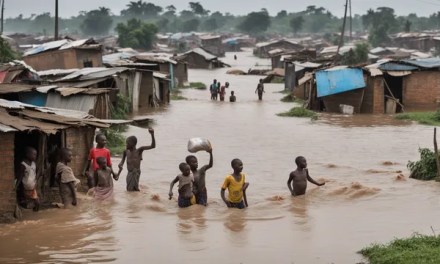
27 177
185 180
103 180
66 178
236 185
199 188
297 182
99 151
134 158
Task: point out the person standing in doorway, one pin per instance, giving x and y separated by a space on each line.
27 176
260 90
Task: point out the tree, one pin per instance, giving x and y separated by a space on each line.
141 9
136 34
170 11
408 26
97 22
356 56
6 52
186 14
210 24
282 14
255 22
380 23
162 24
190 25
198 9
43 22
296 23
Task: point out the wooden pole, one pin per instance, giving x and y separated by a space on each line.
351 23
341 40
3 12
56 20
437 160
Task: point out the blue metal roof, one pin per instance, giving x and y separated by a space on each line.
428 63
393 66
339 81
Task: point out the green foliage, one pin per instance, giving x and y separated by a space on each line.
380 23
424 169
198 9
197 85
289 98
418 249
136 34
6 52
97 22
299 112
190 25
115 140
358 55
141 9
296 23
424 118
255 22
122 107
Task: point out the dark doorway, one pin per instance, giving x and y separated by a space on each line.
393 88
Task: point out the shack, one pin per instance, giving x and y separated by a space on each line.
405 85
200 59
213 44
65 54
176 68
47 130
18 71
262 49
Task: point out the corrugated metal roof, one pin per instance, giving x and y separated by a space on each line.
161 75
6 88
46 89
339 81
56 72
92 73
4 128
75 43
208 56
61 45
428 63
393 66
13 104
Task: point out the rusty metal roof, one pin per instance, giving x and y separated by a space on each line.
6 88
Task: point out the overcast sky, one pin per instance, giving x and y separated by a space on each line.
72 7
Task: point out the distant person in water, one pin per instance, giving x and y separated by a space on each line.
297 182
199 187
66 179
223 91
260 90
185 179
236 185
235 57
27 178
232 98
134 158
214 90
103 181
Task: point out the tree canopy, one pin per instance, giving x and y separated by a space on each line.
255 22
136 34
97 22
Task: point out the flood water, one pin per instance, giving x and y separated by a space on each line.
362 202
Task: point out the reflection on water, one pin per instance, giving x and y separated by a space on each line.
367 197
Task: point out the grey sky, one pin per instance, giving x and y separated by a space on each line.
72 7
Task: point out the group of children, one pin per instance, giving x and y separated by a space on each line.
192 179
216 90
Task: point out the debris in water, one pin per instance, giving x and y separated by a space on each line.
276 198
355 190
400 177
155 197
389 163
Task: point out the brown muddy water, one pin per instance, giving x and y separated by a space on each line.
359 157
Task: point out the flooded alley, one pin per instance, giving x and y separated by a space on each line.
359 157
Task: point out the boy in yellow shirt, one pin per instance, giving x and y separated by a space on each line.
236 185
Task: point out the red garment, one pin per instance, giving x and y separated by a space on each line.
99 152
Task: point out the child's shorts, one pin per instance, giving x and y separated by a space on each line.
239 205
186 202
202 197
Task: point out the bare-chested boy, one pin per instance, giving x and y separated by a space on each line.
185 180
199 187
297 182
103 180
134 158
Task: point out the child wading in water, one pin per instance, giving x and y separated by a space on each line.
297 182
236 185
185 179
66 179
134 158
27 176
99 151
103 180
199 187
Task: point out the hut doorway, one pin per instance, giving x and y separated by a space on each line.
393 91
47 147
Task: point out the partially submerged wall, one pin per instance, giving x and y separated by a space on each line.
421 90
7 173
